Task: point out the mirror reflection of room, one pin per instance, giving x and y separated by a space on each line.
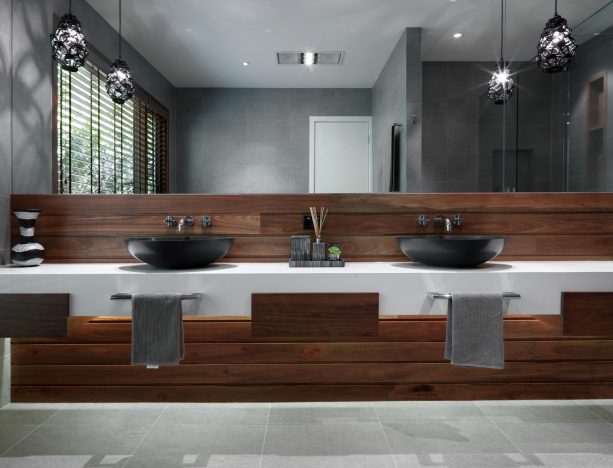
292 97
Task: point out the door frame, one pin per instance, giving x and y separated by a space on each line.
313 120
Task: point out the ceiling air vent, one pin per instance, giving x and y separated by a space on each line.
319 58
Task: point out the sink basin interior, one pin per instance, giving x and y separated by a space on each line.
179 252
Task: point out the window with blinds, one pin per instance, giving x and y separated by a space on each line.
103 147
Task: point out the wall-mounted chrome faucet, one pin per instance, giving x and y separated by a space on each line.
441 220
187 221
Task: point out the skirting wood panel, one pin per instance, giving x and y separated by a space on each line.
33 315
537 226
224 362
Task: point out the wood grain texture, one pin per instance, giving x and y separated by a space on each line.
315 315
537 226
33 315
288 393
587 313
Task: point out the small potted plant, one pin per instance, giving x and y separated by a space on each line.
334 252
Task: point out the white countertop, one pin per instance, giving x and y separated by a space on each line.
227 288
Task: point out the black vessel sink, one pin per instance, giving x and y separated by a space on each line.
178 252
451 251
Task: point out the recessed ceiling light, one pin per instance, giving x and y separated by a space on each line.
267 30
309 58
245 64
457 35
188 30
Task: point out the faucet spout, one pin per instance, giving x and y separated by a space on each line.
448 225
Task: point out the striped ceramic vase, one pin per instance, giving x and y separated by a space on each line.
27 252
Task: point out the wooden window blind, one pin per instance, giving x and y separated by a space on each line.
103 147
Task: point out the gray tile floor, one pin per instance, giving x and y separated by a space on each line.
328 435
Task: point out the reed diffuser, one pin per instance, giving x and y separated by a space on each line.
319 218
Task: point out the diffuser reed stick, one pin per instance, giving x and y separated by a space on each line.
319 218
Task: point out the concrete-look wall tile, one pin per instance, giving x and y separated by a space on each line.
462 139
230 136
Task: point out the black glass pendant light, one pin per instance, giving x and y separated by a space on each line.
119 82
557 46
68 42
501 84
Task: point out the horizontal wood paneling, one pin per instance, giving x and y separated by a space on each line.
33 315
536 226
300 353
315 315
268 393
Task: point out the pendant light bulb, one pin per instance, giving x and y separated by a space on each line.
557 46
68 44
501 85
119 82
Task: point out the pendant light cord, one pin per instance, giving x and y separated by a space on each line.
120 40
556 8
69 6
501 30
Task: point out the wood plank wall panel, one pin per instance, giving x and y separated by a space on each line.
587 313
537 226
34 315
315 315
225 363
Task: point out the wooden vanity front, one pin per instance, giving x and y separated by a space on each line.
224 362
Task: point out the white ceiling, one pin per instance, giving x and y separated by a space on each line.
202 43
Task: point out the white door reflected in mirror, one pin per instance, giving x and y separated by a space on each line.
340 155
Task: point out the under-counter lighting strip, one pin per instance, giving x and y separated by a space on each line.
437 295
184 297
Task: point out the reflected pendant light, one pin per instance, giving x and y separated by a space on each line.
557 46
68 44
501 84
119 82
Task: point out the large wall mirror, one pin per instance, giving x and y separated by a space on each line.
318 96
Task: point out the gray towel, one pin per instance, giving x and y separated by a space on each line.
474 334
157 329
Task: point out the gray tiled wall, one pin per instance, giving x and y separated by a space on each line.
33 21
396 97
462 129
590 169
5 172
232 140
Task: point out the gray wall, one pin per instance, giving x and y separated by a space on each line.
590 169
5 173
396 96
253 140
32 84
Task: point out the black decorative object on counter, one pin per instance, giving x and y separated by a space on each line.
557 46
27 252
68 42
501 84
119 82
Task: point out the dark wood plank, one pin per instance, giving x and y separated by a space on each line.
315 315
286 393
221 329
301 353
346 203
587 313
333 373
34 315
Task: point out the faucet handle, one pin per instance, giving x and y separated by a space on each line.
458 219
439 220
423 220
206 221
170 221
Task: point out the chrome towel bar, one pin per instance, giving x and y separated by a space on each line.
437 295
184 297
